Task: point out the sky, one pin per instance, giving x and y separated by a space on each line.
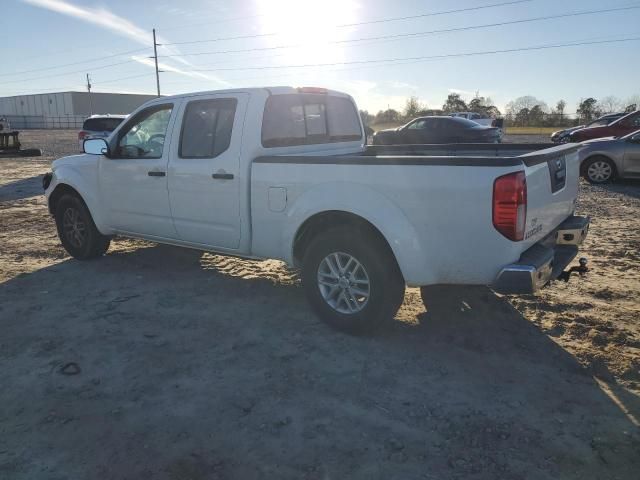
380 52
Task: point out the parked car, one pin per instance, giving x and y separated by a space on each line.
284 173
480 118
438 130
562 136
605 159
99 126
618 128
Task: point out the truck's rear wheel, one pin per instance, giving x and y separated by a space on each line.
77 232
351 279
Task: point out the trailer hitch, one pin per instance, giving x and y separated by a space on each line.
580 269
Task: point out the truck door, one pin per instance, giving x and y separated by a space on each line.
204 170
133 181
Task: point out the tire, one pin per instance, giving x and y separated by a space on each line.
76 230
361 256
599 170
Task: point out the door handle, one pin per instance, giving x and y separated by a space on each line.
222 176
156 174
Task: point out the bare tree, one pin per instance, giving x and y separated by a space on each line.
527 102
632 103
412 107
611 104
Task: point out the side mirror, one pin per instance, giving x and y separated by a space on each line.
96 146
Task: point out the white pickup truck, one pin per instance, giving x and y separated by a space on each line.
284 173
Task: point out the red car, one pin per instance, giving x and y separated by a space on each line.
624 125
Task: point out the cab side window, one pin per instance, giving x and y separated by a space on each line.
144 135
206 127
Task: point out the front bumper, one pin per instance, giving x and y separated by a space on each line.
545 260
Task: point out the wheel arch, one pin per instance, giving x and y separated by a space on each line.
591 156
329 219
65 186
58 192
361 206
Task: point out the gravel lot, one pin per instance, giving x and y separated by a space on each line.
162 363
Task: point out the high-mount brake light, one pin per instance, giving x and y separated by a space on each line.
510 205
312 90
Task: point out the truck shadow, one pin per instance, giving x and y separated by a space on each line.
177 350
23 188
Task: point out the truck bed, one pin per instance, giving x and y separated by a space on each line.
438 220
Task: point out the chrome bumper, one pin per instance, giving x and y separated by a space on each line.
545 260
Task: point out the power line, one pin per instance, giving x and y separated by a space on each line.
214 22
22 80
370 22
148 74
75 63
421 58
419 34
66 88
350 68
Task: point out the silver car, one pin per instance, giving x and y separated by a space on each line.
98 126
604 159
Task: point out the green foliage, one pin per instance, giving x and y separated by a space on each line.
454 103
588 109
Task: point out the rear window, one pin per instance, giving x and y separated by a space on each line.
101 124
308 119
462 123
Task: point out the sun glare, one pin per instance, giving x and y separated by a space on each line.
311 25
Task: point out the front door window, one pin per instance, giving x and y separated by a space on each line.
144 136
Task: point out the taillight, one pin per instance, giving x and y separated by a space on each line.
510 205
81 135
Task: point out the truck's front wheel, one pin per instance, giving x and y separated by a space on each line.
351 279
77 232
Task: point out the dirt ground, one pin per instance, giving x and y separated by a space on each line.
161 363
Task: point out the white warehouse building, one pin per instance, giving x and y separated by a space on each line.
65 109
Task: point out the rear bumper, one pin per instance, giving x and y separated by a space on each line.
545 260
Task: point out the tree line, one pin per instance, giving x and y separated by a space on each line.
525 111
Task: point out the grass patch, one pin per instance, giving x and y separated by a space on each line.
531 130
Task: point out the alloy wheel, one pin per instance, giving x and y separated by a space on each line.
73 227
344 283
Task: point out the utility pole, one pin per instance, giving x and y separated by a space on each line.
89 91
155 57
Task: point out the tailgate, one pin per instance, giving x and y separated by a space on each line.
552 188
